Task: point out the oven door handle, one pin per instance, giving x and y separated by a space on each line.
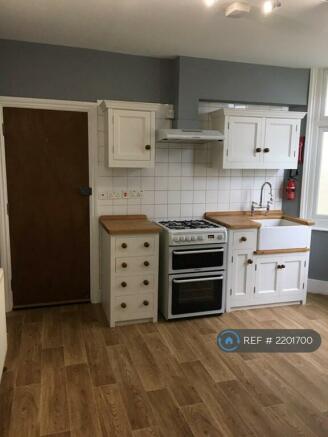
191 252
184 281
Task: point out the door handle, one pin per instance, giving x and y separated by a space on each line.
85 191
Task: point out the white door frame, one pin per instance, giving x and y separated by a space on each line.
61 105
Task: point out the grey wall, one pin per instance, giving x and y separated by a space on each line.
46 71
205 79
319 244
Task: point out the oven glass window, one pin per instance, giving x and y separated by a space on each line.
193 295
197 259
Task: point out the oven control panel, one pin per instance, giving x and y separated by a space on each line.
199 238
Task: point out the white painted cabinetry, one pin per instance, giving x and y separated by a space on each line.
257 138
3 328
129 277
130 133
263 279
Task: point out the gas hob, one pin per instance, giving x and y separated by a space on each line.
194 232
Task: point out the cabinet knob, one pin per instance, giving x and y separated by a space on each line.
283 266
146 282
146 263
258 149
146 303
124 284
266 150
124 245
147 146
250 261
123 305
146 244
124 265
243 239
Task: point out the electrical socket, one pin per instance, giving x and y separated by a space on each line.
116 195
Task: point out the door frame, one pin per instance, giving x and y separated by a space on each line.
60 105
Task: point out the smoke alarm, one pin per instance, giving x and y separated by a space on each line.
237 9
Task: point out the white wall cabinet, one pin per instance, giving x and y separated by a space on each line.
129 133
3 328
257 139
263 279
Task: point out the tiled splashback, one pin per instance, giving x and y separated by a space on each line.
184 183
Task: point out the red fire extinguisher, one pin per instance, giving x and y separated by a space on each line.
291 189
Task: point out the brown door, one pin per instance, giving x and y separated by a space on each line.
47 167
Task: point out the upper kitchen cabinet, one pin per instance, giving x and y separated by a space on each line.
130 133
258 139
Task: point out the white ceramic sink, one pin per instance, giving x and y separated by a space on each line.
282 234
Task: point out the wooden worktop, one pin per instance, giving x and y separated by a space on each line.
244 219
128 224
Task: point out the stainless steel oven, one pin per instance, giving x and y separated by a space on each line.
194 258
196 293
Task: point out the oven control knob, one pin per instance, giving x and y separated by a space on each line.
175 238
188 238
182 238
199 237
194 238
220 237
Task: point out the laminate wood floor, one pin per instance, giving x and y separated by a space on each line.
70 375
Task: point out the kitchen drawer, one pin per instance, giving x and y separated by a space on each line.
136 264
245 239
136 307
132 246
133 284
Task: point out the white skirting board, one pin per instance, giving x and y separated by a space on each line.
317 286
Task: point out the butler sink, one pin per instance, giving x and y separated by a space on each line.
282 234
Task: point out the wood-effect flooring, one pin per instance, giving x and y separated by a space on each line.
70 375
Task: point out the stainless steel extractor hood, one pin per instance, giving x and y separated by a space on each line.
188 135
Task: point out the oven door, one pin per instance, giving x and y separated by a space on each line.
196 294
197 258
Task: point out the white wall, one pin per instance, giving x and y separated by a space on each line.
184 182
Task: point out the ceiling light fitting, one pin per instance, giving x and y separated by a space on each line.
237 9
270 5
210 3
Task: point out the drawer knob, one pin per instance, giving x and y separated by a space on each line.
146 282
243 239
146 263
123 305
258 149
124 245
146 244
266 150
146 303
250 261
147 146
283 266
124 265
124 284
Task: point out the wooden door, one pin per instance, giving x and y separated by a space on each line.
281 142
245 137
267 278
132 137
47 164
242 279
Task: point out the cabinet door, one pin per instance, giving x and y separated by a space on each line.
281 142
245 135
242 277
293 269
267 278
133 139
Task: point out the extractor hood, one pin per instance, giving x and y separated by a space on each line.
188 135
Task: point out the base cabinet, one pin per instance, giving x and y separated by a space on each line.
263 279
3 329
129 277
